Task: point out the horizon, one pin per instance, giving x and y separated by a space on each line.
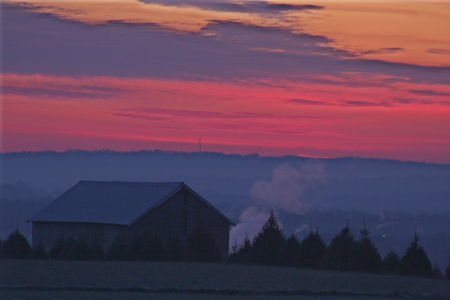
314 78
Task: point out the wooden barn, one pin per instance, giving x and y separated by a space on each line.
98 211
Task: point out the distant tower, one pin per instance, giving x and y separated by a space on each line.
199 145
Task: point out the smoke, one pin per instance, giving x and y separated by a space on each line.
287 187
284 192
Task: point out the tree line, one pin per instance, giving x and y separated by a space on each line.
269 247
201 246
344 253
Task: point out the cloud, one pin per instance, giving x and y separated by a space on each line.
429 93
250 223
307 102
439 51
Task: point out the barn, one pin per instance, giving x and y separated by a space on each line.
99 211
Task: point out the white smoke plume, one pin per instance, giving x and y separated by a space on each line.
286 189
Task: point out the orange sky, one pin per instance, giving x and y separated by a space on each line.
316 78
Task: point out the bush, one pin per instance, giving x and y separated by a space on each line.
175 249
447 272
202 246
39 252
16 246
119 249
57 248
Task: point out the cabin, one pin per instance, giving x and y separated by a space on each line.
99 211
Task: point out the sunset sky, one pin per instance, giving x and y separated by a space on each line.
282 77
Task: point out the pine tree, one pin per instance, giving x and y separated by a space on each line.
290 253
339 255
391 263
243 253
447 272
268 243
1 249
312 250
437 273
415 261
202 246
16 246
366 257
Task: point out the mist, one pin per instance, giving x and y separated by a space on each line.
394 198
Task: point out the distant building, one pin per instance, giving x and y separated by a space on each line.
99 211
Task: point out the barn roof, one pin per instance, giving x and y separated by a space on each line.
110 202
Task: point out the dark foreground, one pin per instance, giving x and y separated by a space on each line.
32 279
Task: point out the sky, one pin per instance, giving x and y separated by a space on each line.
282 77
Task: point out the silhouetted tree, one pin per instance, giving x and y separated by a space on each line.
16 246
339 254
366 257
202 246
243 253
447 272
415 261
58 247
312 250
39 252
1 249
290 252
437 273
119 249
175 249
391 263
98 251
268 243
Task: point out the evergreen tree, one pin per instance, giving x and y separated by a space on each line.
175 250
242 254
415 261
290 253
119 249
366 257
391 263
1 249
98 251
39 252
312 250
447 272
202 246
16 246
268 243
339 254
437 273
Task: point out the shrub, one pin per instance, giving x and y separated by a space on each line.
119 249
39 252
202 246
447 272
16 246
58 247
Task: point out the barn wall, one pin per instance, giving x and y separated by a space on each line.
168 220
48 232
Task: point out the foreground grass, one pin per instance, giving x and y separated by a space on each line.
32 279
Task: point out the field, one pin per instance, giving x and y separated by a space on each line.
32 279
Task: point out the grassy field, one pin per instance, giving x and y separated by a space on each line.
29 279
